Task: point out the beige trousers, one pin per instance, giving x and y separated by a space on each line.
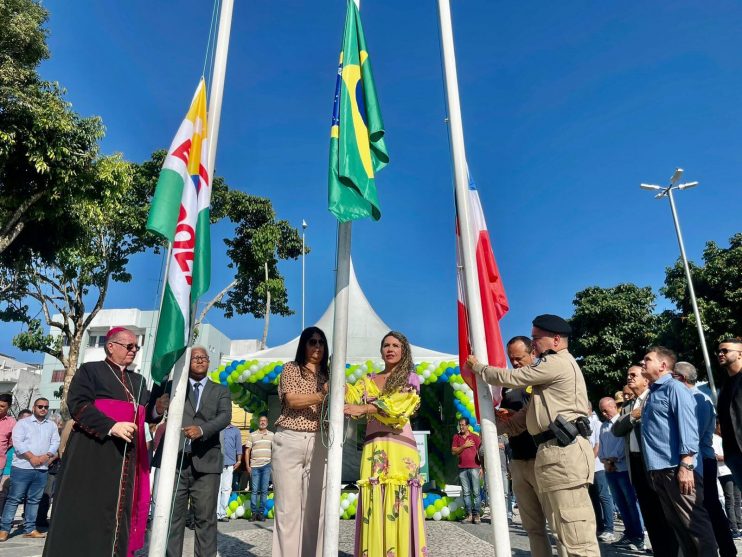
573 519
299 460
533 508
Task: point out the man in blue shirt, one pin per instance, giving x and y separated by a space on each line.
231 441
686 373
612 454
36 440
670 446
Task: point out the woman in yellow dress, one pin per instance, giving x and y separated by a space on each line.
390 514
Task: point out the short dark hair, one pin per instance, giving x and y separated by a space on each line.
35 402
731 340
463 418
24 412
6 397
520 338
665 354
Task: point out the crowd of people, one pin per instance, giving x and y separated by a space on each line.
664 458
658 453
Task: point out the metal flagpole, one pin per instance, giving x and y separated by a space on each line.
303 232
173 434
337 390
217 80
170 444
496 492
337 393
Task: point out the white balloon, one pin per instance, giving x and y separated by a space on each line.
352 496
344 504
437 516
445 512
431 367
254 368
240 511
426 373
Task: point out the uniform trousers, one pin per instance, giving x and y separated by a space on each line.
563 475
299 460
533 508
685 513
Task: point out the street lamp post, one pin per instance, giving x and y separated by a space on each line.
667 192
303 232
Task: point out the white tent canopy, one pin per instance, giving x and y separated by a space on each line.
365 331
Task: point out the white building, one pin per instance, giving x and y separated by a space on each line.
141 323
21 380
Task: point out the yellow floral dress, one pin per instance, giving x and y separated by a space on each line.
390 515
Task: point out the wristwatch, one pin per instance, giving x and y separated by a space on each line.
687 466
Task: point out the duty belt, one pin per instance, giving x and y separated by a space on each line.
547 435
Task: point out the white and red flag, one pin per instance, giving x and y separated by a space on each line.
492 292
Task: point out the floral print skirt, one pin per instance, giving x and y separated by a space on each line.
390 516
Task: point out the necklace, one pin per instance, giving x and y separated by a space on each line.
129 394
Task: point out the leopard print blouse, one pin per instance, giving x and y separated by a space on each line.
299 381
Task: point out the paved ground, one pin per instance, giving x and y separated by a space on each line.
240 538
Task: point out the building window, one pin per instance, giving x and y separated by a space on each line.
58 376
92 341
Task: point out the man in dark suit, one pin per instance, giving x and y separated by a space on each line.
629 427
208 410
729 407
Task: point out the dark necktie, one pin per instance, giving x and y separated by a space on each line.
197 393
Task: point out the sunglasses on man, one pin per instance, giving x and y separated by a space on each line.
131 347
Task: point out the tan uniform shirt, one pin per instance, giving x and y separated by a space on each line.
558 388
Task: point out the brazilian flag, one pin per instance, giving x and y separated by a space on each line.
357 150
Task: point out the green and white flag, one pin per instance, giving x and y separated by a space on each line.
180 213
357 149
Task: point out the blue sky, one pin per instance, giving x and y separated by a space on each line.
566 109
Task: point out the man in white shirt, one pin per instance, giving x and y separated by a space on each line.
600 493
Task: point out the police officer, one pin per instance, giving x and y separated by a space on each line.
557 418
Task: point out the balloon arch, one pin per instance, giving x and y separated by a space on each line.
242 377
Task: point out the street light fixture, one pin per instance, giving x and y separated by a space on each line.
667 192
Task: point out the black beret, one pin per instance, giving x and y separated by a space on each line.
553 324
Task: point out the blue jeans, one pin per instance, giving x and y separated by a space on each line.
625 499
469 480
259 480
600 495
24 483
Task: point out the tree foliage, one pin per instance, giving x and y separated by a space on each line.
718 287
73 282
612 328
69 288
259 238
47 151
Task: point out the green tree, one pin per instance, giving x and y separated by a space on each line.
612 327
718 287
69 287
73 283
47 151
